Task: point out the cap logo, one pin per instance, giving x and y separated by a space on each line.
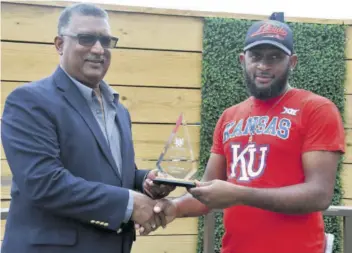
271 30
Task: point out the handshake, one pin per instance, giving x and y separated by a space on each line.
149 214
152 210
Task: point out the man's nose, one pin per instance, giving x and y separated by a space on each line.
97 48
263 65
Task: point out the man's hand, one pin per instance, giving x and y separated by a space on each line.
153 190
164 208
143 213
215 194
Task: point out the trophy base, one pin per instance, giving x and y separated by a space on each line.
174 182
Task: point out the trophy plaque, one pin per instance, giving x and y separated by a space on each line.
176 164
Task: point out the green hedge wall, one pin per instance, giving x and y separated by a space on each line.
321 69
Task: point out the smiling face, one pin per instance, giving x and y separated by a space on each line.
88 64
266 70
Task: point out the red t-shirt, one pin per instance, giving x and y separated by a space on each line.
301 121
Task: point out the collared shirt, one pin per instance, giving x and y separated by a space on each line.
108 126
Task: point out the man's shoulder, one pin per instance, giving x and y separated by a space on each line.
34 90
229 113
244 105
311 98
311 102
36 85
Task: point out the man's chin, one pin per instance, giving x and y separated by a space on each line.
92 79
95 74
262 92
263 85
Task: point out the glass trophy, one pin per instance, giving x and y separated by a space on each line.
176 164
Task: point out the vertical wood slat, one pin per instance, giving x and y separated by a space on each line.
349 42
348 80
209 233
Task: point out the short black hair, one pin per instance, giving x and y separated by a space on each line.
84 9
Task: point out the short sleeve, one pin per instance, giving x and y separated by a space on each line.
217 146
324 129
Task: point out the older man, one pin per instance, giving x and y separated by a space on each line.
69 146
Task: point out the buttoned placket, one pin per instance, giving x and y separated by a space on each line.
102 113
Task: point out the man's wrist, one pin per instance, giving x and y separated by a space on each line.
177 204
239 192
145 177
129 209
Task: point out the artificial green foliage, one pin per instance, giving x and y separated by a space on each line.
321 69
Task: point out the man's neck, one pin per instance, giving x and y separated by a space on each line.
284 90
94 87
274 98
97 91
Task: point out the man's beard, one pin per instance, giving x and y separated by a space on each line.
275 89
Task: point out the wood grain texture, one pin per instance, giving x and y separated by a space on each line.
348 111
348 80
146 104
5 192
155 244
2 229
136 30
348 140
349 43
149 140
190 13
5 204
166 244
6 180
28 62
5 170
346 176
347 202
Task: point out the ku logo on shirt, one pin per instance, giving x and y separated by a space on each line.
245 157
248 161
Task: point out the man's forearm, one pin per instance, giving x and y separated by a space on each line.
296 199
187 206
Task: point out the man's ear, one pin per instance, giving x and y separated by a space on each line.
59 44
241 58
293 61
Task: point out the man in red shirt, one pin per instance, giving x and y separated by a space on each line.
274 157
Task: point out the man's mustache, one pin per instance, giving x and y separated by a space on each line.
264 74
94 58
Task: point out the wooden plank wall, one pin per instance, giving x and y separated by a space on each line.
156 69
347 169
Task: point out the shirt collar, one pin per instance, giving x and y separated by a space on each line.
109 93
